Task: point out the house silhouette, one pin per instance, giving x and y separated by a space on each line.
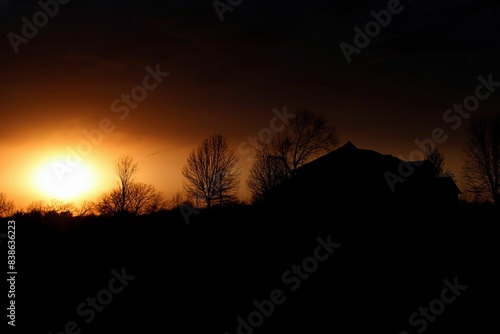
349 175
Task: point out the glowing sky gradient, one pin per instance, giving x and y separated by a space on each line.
226 77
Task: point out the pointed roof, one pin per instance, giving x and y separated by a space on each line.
349 174
348 153
348 146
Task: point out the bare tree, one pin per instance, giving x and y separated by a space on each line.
481 171
85 208
141 199
437 160
144 199
6 206
178 200
266 173
36 207
126 168
58 206
129 196
110 203
175 201
54 207
211 171
156 203
307 136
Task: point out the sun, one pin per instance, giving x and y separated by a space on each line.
59 181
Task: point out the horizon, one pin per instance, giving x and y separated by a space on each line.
55 169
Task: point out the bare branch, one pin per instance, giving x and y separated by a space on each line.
211 171
481 170
6 206
306 137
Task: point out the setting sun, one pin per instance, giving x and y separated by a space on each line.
66 184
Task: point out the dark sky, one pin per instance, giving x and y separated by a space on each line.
227 76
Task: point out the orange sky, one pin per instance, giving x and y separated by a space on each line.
226 77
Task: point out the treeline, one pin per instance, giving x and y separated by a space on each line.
211 172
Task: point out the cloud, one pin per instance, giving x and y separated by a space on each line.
158 152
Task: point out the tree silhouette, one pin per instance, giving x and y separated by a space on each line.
211 171
87 207
126 167
481 171
6 206
266 173
437 160
307 136
53 208
144 199
110 204
58 206
37 208
130 197
178 200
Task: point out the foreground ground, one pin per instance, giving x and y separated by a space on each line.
381 266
